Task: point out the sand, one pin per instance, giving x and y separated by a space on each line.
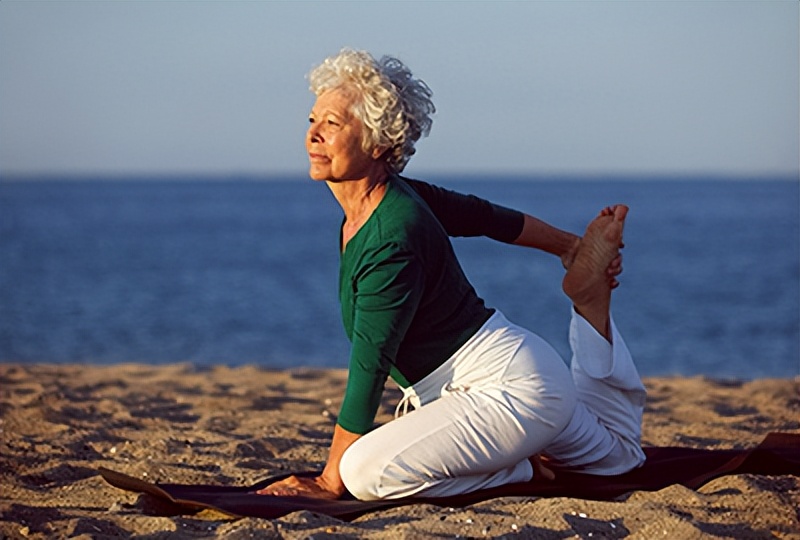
235 426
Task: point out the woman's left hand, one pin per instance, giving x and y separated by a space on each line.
300 486
614 269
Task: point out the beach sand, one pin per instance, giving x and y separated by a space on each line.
235 426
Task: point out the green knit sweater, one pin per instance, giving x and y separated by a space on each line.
406 304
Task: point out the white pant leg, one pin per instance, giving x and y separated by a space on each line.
604 435
474 438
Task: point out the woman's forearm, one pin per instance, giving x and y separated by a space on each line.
330 478
538 234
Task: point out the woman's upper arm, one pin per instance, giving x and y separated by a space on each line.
387 297
468 215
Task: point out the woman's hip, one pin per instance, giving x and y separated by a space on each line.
500 356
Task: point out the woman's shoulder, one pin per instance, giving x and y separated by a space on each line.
401 224
405 213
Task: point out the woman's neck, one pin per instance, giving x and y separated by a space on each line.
359 198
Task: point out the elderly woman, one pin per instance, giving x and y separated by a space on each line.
488 396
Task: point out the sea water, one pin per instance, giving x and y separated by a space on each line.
239 271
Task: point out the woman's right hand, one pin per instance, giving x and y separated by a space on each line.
300 486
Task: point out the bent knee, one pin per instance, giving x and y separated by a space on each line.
627 455
370 475
357 476
636 456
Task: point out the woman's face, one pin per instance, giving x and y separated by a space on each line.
334 140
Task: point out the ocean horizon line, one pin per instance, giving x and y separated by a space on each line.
472 176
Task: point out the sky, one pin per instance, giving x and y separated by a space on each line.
220 88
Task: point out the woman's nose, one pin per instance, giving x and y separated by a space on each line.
313 134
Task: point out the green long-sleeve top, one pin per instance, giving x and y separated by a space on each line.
406 304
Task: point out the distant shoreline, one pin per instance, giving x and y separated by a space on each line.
290 370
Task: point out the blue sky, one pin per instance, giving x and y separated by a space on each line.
674 87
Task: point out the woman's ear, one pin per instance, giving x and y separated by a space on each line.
379 151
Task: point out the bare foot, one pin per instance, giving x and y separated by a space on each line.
614 268
540 470
586 282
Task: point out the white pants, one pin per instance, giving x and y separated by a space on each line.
502 397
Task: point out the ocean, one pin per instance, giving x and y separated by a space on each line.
244 271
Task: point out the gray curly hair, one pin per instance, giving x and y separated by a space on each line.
394 107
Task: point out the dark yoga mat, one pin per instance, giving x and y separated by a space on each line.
778 454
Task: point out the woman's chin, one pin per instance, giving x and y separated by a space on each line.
317 176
